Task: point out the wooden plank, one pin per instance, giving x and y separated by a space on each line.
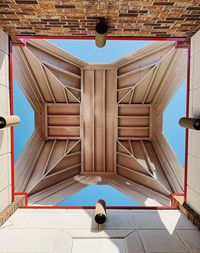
45 54
55 178
92 121
133 110
63 109
26 160
61 120
62 70
23 80
44 74
144 56
104 121
82 124
110 120
130 162
167 73
66 163
45 121
133 122
99 120
63 131
87 106
133 132
40 164
135 70
25 56
56 87
151 83
63 59
133 138
142 179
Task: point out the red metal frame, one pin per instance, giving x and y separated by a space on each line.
187 115
11 113
25 37
107 207
23 40
175 194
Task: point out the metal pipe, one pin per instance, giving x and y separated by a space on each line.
191 123
100 211
101 32
9 121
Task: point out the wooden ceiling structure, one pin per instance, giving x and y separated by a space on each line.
98 123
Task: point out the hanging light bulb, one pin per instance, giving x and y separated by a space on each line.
101 32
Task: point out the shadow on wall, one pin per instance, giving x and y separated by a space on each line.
125 231
142 231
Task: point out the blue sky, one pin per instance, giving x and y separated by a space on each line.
24 130
113 51
175 134
89 195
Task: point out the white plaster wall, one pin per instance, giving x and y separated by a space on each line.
193 182
5 149
74 231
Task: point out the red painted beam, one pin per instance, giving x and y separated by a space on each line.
11 113
107 207
187 115
23 38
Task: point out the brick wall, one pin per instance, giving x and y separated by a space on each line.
158 18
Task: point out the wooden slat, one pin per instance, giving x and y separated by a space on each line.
63 131
133 121
135 71
133 110
44 51
142 179
139 132
62 70
87 109
63 120
63 109
56 87
41 164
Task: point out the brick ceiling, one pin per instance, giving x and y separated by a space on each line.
144 18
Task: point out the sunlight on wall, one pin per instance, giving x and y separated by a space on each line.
25 129
169 220
175 134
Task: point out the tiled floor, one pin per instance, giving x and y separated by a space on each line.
73 231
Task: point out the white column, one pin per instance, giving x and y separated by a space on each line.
5 143
193 180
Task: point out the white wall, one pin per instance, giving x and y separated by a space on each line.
193 182
5 149
75 231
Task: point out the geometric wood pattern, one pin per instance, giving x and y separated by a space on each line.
98 117
62 121
98 120
59 160
137 161
134 121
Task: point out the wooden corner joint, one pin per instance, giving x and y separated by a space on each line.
194 217
19 201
